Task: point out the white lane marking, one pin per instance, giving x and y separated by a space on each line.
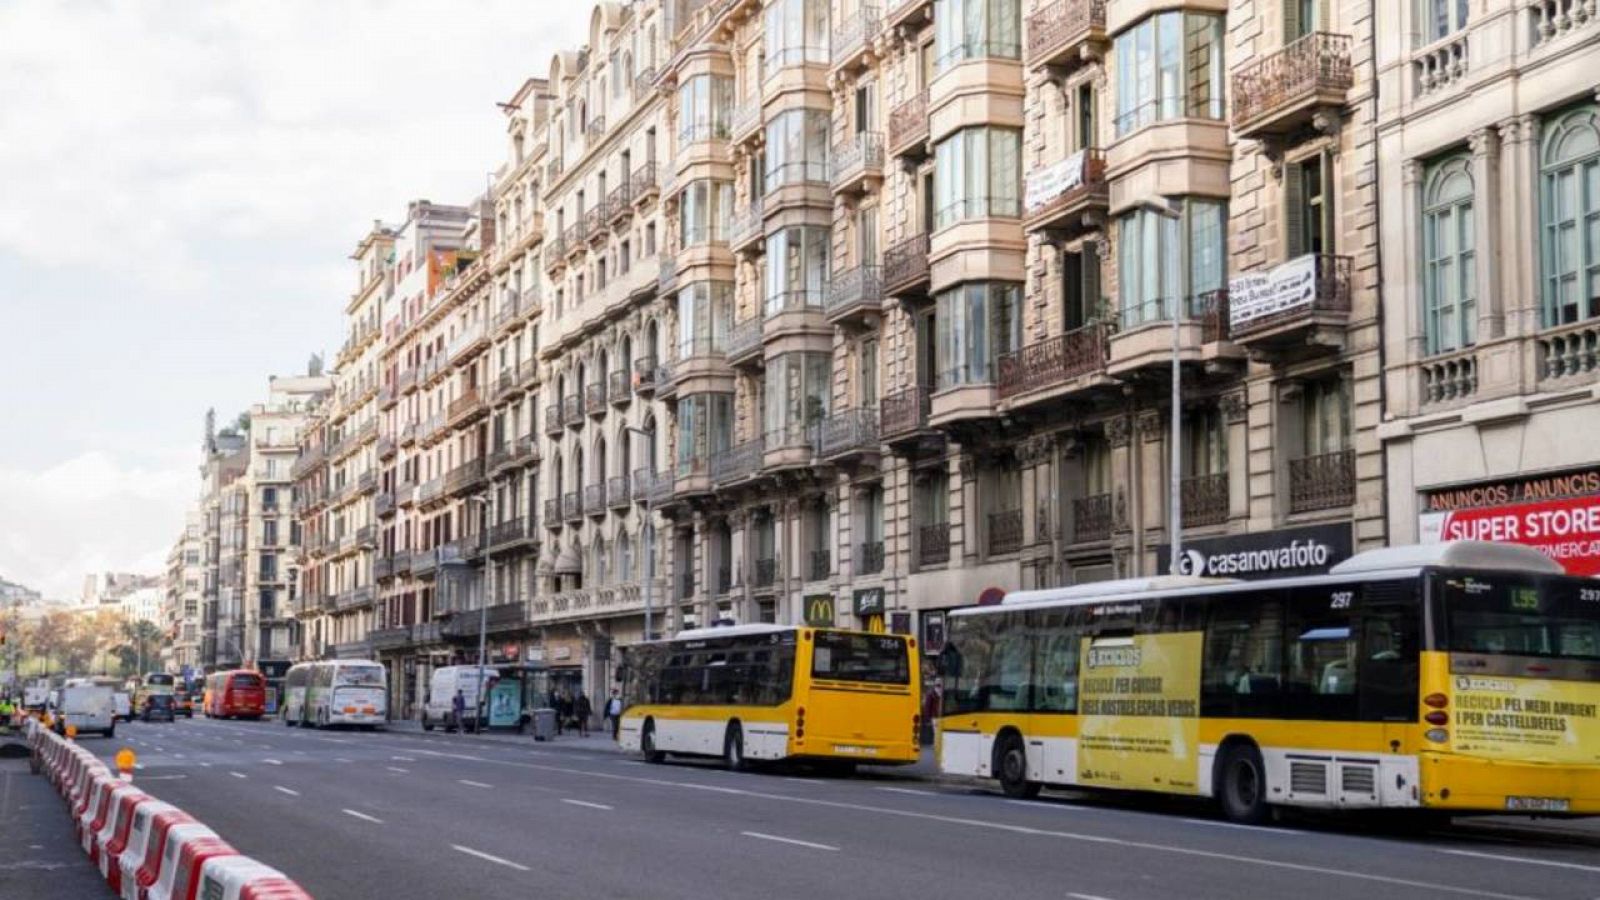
1087 897
586 803
273 762
340 759
895 790
139 766
397 769
177 756
1525 860
784 840
470 783
491 858
362 816
1022 829
283 790
402 758
163 777
237 774
1216 824
205 765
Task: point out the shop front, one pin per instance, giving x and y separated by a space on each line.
1278 553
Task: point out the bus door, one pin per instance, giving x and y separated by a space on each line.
1389 657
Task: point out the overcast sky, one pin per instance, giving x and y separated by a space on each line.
181 184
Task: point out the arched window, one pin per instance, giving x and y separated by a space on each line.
597 561
1570 216
599 461
1449 288
625 571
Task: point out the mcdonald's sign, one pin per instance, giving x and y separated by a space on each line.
819 610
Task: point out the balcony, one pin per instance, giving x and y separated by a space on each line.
572 411
1323 481
383 568
1092 518
594 398
852 41
386 447
1282 92
1204 499
849 433
552 513
1065 34
908 128
407 380
618 389
466 407
746 231
594 223
1305 301
869 558
572 506
933 544
821 565
464 478
431 491
472 338
1068 198
854 296
743 343
1055 362
619 204
576 238
594 499
553 170
617 494
644 83
552 421
644 375
905 267
424 562
555 254
1566 353
504 534
387 396
765 573
737 463
1005 532
596 129
857 165
904 414
389 638
645 183
745 122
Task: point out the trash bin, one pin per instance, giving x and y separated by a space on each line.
544 724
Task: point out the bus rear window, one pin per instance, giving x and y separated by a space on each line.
861 657
1552 617
360 676
247 681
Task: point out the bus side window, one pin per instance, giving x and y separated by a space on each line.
1006 681
1320 638
1057 640
1391 639
1242 671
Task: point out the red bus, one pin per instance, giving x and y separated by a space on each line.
239 692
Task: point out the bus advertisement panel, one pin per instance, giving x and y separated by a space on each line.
1139 699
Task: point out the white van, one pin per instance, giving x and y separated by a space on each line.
439 708
89 707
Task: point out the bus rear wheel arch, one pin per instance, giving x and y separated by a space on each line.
733 747
1239 782
1010 765
647 742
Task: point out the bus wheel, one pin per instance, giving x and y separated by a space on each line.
647 744
733 749
1242 788
1011 765
427 724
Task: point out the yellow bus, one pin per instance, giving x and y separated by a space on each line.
1456 677
773 692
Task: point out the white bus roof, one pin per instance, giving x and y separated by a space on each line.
1456 554
716 631
1107 589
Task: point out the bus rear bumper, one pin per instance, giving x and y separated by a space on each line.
1453 782
877 753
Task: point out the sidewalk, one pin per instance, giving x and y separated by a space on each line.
39 855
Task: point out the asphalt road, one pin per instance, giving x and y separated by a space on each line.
411 815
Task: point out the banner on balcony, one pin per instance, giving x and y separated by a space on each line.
1310 550
1567 530
1257 295
1045 185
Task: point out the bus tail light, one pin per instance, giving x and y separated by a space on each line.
1437 735
1437 718
1437 701
800 722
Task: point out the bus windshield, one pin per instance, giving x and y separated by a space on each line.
860 657
1554 617
358 676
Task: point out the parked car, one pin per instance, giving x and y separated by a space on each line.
158 707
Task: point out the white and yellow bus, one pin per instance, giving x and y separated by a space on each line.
772 692
1458 677
295 682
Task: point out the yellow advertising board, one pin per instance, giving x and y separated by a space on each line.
1139 709
1525 719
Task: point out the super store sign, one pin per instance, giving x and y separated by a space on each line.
1566 529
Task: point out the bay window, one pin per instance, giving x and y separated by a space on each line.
975 324
797 268
705 313
797 148
704 105
1162 260
978 174
797 33
976 29
705 212
796 397
1168 67
1569 216
1449 288
705 427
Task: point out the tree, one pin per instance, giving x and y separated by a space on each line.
49 638
140 647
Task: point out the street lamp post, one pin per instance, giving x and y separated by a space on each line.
483 622
649 531
1171 211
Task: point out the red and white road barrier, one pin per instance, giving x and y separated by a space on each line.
147 849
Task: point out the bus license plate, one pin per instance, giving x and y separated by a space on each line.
1537 804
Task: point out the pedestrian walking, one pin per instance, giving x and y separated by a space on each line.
558 702
614 713
584 710
458 710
